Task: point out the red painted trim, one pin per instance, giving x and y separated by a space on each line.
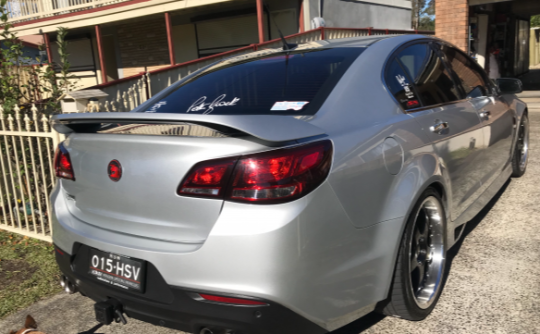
293 35
169 38
82 12
219 55
48 47
330 28
30 45
301 17
101 56
370 31
112 83
260 20
323 33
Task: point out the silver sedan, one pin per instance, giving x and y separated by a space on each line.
288 190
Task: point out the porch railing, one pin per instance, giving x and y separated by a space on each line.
128 93
27 151
25 10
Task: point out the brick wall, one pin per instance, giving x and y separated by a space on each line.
143 46
452 21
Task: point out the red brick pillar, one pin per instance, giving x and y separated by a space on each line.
452 22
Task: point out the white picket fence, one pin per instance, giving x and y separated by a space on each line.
27 143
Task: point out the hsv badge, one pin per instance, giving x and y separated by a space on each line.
115 170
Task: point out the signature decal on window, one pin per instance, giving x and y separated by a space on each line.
207 108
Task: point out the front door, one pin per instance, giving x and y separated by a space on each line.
495 114
450 122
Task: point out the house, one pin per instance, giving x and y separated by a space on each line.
496 32
110 40
32 55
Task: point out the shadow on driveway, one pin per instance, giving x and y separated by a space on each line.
373 318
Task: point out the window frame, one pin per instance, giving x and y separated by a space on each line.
394 55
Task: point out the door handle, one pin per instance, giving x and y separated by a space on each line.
439 128
485 114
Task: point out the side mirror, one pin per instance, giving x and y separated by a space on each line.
510 85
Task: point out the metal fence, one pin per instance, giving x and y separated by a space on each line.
27 144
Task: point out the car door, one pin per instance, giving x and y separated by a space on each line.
425 88
497 117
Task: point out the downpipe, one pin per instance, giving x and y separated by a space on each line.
68 286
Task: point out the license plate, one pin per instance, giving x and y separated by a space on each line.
117 270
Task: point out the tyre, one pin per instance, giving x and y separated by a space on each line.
521 152
420 268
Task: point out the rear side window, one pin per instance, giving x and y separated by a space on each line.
469 76
294 83
432 80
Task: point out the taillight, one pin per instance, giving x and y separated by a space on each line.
208 178
231 301
62 164
271 177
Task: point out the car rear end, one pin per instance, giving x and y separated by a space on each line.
187 214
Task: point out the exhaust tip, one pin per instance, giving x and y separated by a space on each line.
63 281
70 287
206 331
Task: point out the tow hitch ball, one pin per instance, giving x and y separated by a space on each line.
109 311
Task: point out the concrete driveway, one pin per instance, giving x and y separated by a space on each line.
493 286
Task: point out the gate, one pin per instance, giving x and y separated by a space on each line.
27 143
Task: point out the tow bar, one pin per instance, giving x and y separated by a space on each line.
109 311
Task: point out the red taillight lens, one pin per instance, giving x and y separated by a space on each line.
208 179
62 164
281 175
232 301
271 177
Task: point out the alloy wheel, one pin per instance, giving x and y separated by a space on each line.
523 143
427 253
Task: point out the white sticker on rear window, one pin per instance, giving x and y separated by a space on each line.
156 106
286 105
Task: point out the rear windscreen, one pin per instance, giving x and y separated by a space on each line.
296 83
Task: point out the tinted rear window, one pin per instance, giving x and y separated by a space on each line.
279 84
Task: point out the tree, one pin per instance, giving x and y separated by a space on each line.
41 80
423 15
535 21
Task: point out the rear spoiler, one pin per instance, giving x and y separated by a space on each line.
265 127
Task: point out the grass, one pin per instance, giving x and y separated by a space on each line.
28 272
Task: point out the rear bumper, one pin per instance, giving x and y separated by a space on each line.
305 255
174 307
